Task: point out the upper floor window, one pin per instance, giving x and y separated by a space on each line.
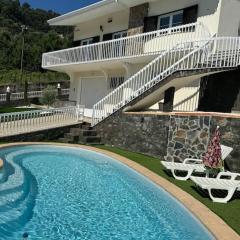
86 41
170 20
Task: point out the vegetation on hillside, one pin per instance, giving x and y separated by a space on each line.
39 37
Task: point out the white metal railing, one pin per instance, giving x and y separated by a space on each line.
190 103
222 52
65 92
3 97
137 45
31 94
29 121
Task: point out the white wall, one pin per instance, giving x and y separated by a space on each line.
87 90
92 28
208 10
229 24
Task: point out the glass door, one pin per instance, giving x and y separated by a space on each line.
119 48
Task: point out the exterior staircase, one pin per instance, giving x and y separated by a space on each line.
171 68
82 135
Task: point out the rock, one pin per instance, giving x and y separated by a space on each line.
181 134
203 135
178 145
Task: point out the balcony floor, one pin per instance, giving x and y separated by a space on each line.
100 65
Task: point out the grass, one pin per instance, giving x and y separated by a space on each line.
229 212
13 109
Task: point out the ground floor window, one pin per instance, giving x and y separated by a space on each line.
86 41
118 35
115 82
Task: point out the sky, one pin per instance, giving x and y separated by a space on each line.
60 6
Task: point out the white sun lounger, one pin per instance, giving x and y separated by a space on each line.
230 185
190 165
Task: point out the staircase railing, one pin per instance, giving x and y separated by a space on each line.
132 46
209 53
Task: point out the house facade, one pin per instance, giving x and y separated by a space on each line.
127 54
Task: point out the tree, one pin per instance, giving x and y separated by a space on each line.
49 96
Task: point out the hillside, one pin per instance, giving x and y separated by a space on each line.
39 38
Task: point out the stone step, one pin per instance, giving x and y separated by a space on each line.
91 139
87 127
75 131
63 140
86 133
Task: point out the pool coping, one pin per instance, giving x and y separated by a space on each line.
1 163
216 225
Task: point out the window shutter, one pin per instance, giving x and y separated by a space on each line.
150 24
76 43
107 37
96 39
190 14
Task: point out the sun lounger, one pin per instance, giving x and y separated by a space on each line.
190 165
230 182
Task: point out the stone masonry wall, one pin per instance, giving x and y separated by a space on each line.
44 135
171 137
139 133
136 19
188 137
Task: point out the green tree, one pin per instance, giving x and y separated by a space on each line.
49 96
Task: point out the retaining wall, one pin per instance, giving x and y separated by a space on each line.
172 136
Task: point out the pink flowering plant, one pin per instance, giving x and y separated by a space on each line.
212 159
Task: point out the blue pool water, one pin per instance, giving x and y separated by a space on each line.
58 193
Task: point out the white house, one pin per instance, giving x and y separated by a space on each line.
124 48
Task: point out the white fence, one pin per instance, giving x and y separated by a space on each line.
32 94
30 121
138 45
214 53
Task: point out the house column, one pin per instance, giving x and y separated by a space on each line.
136 19
168 99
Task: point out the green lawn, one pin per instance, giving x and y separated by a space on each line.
12 109
229 212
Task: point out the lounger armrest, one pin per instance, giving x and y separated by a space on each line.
192 160
232 176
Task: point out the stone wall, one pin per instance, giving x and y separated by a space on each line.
172 137
136 18
188 137
44 135
140 133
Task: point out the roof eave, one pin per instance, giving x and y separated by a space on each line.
57 21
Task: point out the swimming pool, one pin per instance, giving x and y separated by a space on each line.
58 193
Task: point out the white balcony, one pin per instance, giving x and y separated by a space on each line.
146 44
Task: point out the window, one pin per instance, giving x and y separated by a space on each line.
170 20
86 41
119 35
115 82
